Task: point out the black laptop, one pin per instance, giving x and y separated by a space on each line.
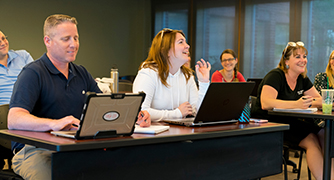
107 115
222 103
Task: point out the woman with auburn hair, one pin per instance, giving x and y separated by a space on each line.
286 87
230 71
171 91
325 80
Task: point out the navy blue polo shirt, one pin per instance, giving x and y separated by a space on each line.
45 92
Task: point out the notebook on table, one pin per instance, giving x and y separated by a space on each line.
222 103
153 129
107 115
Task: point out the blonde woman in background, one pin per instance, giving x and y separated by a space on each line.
325 80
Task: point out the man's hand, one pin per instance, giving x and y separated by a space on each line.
65 124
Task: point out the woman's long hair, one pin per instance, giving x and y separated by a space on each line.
329 71
158 59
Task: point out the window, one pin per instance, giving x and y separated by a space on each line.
266 35
174 16
215 31
318 34
257 30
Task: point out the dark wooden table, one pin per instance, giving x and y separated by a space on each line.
328 147
234 151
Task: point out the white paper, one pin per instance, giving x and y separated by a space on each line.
308 110
153 129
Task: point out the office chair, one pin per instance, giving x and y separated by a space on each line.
257 83
5 146
286 149
124 86
130 78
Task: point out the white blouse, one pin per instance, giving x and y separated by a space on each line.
162 102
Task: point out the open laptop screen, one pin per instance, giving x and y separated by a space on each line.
108 115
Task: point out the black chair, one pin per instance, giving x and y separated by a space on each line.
5 146
252 103
130 78
286 149
257 83
124 86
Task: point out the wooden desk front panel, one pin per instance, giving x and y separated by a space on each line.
235 157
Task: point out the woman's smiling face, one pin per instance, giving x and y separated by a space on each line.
228 61
180 54
297 63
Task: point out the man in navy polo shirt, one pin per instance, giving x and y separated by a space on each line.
49 95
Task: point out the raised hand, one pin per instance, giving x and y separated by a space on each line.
203 71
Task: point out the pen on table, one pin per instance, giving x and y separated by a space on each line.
142 115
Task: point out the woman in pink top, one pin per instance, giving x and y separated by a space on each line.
230 72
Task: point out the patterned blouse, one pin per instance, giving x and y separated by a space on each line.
320 82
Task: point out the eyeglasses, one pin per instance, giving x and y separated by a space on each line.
293 44
228 60
3 38
165 30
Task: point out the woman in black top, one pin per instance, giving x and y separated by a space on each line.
287 86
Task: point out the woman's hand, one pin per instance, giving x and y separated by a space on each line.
144 119
203 71
185 109
305 102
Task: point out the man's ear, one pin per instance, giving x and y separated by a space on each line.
47 40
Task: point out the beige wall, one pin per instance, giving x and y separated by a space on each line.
111 31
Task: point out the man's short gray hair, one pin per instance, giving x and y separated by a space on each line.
54 20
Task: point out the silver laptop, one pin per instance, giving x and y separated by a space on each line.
107 115
223 103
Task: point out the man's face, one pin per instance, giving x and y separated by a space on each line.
4 45
63 43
